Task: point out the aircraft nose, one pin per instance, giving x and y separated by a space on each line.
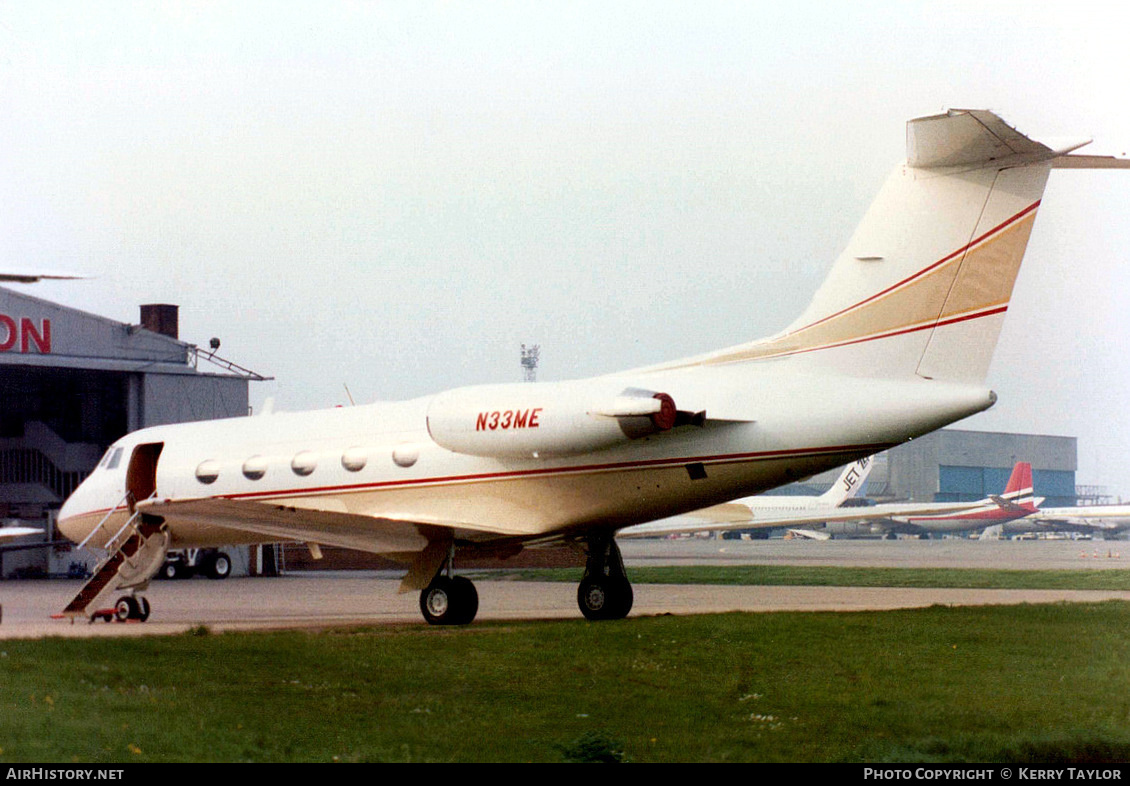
69 524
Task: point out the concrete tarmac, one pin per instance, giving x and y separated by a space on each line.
326 599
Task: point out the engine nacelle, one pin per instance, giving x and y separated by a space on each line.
536 420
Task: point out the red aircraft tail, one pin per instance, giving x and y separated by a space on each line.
1020 481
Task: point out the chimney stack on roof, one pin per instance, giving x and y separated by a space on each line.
161 318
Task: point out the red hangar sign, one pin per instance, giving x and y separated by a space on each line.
20 334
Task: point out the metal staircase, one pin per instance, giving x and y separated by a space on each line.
136 553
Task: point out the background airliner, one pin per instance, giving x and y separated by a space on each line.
753 512
895 343
885 519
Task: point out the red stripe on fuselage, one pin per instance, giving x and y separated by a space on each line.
725 458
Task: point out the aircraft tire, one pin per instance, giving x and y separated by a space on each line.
127 608
218 566
449 601
143 608
468 598
601 598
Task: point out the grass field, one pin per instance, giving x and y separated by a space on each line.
992 684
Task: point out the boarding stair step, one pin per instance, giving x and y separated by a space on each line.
141 547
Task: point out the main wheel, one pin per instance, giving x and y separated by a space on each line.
448 601
605 598
468 599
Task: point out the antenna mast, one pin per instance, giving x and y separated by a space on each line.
530 362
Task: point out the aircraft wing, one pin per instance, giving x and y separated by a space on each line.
711 520
423 546
284 522
1098 517
1003 503
726 513
21 276
7 533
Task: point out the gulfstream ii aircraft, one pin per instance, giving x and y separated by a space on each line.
896 343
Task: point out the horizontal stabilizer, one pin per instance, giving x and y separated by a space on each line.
973 137
966 138
1010 505
1090 162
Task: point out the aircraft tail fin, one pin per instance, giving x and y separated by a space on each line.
848 483
1020 481
924 284
1018 494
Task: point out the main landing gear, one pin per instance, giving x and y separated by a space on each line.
604 592
449 599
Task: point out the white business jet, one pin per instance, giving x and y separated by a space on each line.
895 343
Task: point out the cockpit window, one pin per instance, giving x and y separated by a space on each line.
112 458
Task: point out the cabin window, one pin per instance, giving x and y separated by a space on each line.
255 468
304 463
208 471
354 459
405 455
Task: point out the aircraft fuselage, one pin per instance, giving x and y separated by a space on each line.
380 460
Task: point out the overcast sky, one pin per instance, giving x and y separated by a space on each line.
395 196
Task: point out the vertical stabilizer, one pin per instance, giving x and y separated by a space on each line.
1018 494
925 281
848 483
1020 482
924 284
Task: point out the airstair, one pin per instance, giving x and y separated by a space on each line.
136 553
